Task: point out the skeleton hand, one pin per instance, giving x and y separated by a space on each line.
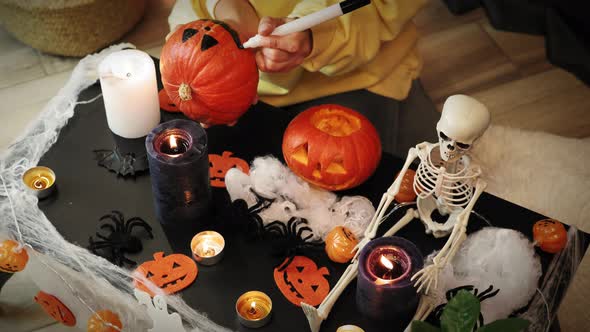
427 276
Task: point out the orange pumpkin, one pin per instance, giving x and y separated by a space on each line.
55 308
340 243
102 320
165 103
302 281
12 261
207 72
406 190
332 146
172 273
219 165
550 235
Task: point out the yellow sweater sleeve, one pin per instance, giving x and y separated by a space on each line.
342 45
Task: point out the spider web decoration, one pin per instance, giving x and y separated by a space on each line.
92 281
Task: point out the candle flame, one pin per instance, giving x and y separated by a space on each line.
253 305
173 143
386 262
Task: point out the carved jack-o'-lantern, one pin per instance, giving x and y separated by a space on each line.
55 308
171 273
340 243
302 281
166 103
219 165
11 259
102 320
207 72
406 190
332 147
550 235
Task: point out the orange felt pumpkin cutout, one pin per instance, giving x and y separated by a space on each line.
55 308
12 261
550 235
166 103
219 165
172 273
101 321
302 281
406 190
332 147
207 72
340 243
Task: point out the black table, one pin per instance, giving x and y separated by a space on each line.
87 192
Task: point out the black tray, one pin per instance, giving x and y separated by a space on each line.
86 192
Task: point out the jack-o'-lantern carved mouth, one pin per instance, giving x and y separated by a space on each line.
293 288
8 269
173 282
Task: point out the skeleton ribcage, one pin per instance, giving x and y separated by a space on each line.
451 189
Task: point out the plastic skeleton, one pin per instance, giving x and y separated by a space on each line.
445 181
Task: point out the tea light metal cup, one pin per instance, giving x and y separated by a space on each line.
254 309
207 247
40 181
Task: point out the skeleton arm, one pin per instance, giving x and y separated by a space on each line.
389 195
429 275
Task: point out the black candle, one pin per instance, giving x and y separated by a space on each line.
179 170
384 289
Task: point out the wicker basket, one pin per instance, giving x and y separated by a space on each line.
70 27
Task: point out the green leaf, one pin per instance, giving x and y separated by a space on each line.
461 313
418 326
505 325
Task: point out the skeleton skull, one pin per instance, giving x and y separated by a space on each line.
463 120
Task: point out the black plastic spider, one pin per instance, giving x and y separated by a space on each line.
120 241
288 240
486 294
239 217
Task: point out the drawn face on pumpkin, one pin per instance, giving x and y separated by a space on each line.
54 308
302 281
210 33
219 165
102 320
171 273
12 261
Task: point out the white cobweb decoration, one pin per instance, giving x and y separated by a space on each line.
87 283
500 257
293 197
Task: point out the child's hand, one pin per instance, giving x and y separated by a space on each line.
281 53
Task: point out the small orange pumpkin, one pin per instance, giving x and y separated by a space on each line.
406 190
340 243
12 261
219 165
550 235
332 147
172 273
166 103
302 281
55 308
102 320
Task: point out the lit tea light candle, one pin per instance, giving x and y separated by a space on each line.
40 181
254 309
179 171
207 247
130 93
384 289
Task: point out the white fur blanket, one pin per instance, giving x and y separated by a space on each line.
545 173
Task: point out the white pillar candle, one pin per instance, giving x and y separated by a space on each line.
130 93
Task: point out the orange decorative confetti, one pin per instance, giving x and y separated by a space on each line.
172 273
219 165
302 281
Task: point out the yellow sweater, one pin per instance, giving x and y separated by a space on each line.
372 48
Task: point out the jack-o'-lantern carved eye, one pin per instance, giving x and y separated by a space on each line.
208 42
301 154
188 33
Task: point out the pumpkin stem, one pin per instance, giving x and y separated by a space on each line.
185 92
